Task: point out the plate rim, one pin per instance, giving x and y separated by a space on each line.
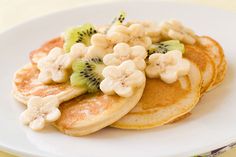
13 151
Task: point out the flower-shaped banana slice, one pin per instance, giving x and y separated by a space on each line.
118 33
151 29
59 70
138 36
100 40
176 30
100 46
169 66
122 79
56 66
50 58
41 111
78 50
136 30
45 65
133 35
123 52
145 41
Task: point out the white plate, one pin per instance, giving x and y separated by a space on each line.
213 121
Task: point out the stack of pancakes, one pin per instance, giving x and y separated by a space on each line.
155 104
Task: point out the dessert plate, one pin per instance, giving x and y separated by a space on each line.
211 125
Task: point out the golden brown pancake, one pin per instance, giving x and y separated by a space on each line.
26 84
91 112
216 52
221 73
162 103
41 52
198 55
181 118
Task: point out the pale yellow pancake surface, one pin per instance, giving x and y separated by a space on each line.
216 52
26 84
91 112
161 103
204 62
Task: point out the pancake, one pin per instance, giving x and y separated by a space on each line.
91 112
162 103
181 118
221 73
204 62
26 84
216 52
43 51
147 113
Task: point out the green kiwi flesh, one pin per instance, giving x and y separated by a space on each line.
165 46
87 73
117 20
79 34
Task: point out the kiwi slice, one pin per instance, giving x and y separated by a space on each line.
80 34
87 73
117 20
165 46
120 18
